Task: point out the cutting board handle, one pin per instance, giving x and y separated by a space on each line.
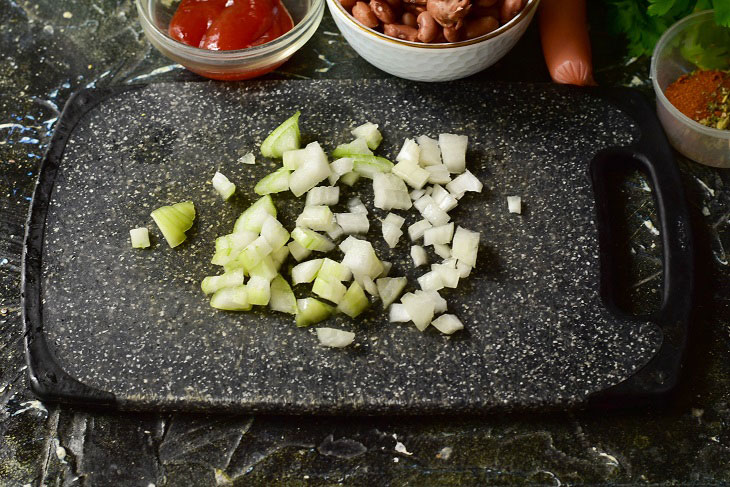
652 156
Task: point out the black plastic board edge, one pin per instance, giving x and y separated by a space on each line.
48 380
652 155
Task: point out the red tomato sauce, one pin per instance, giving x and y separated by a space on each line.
225 25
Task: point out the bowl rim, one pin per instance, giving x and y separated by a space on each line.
191 52
670 33
529 6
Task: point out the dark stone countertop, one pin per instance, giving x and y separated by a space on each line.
52 48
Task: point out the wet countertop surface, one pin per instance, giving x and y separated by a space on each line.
52 48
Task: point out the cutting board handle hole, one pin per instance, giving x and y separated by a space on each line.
632 274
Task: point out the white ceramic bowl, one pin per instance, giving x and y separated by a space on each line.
706 145
431 62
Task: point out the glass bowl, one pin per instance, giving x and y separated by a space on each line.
431 62
155 15
698 142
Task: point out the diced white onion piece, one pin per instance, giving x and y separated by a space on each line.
276 182
331 290
465 246
348 243
430 281
463 183
417 193
411 173
386 268
228 247
390 288
439 235
282 297
449 275
420 309
279 256
398 313
323 195
464 269
331 337
254 252
311 311
309 239
417 230
352 223
231 299
438 174
453 151
313 170
316 217
443 198
212 284
369 285
333 270
252 219
390 192
394 219
431 211
442 250
259 290
305 271
428 190
140 238
391 234
355 205
335 231
247 158
439 303
266 269
274 233
359 146
339 168
409 153
447 324
293 159
350 178
514 204
430 151
354 301
297 251
361 259
368 131
419 256
223 186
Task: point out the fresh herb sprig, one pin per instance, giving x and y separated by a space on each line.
644 21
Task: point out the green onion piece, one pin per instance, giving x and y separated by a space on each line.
282 296
285 137
358 146
254 217
140 238
312 240
354 301
173 221
369 166
231 299
311 311
212 284
276 182
259 290
329 289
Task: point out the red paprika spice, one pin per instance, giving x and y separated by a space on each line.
703 96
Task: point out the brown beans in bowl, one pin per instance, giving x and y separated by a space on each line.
434 21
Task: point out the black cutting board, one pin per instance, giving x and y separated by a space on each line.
130 328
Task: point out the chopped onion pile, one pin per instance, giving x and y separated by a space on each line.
253 255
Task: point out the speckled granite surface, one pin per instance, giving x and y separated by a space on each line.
48 54
135 323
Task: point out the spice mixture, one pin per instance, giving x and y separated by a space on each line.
704 96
